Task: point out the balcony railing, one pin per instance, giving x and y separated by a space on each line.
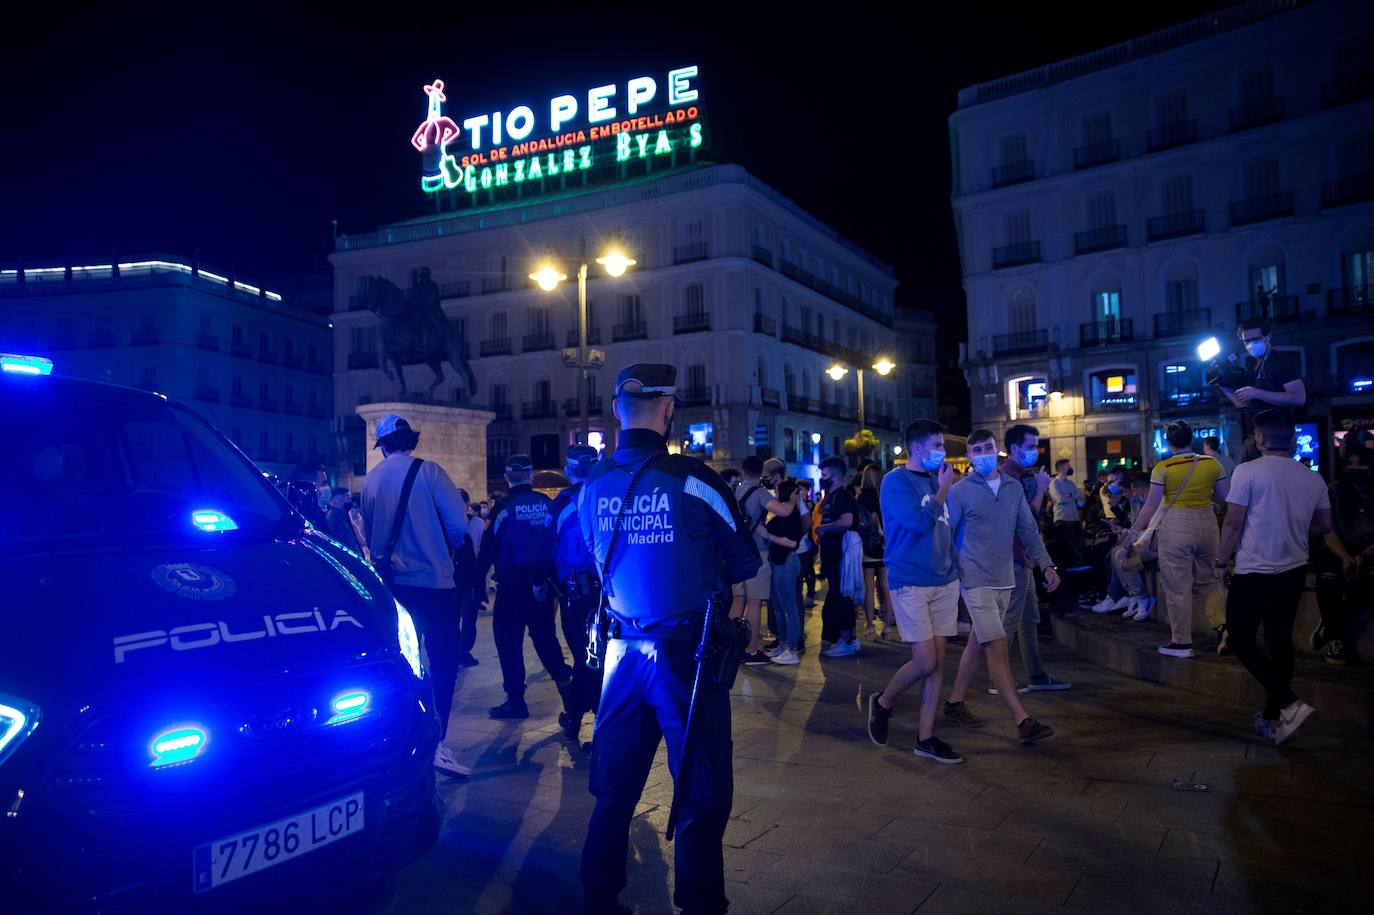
533 343
1175 323
1106 333
833 292
1110 404
686 254
765 325
1096 154
1030 341
1272 308
1348 89
1013 173
763 255
502 410
798 404
1026 252
1099 239
499 347
207 341
1258 209
1167 136
769 397
692 323
458 290
207 393
593 337
1256 114
538 409
634 330
695 397
362 360
1349 300
145 336
1348 189
493 284
1176 225
594 406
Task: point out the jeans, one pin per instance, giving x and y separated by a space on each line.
783 601
1128 582
435 612
1023 621
515 611
1271 600
1188 542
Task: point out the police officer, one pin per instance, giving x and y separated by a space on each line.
665 533
579 589
520 544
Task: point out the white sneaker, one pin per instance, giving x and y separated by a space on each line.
1290 719
774 652
1123 602
1021 690
1105 605
1132 607
786 657
854 645
1142 609
445 763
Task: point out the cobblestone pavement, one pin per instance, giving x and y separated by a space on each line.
824 821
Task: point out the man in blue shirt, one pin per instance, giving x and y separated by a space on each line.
579 589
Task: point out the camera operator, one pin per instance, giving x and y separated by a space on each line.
1273 382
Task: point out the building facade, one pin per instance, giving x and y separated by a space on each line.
255 367
1117 209
751 298
916 366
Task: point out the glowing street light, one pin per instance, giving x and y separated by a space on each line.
882 365
548 277
837 371
616 262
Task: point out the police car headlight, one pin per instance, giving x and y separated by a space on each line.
409 639
17 721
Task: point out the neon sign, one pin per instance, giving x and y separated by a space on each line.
517 150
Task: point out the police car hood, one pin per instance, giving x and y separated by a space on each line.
76 626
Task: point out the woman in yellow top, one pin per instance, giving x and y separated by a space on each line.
1183 486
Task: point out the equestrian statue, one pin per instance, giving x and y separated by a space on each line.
417 330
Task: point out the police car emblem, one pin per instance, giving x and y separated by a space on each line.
194 582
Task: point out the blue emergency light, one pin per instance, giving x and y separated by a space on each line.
25 365
177 746
349 705
209 519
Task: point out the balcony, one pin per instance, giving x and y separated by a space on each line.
1013 173
494 284
362 360
1096 154
763 255
634 330
803 339
765 325
145 336
686 254
1026 252
533 343
798 404
241 350
1348 89
267 404
502 410
241 400
101 339
695 397
829 290
1350 300
459 290
1178 400
1030 341
207 393
208 342
594 406
1259 209
500 347
1348 189
1274 308
1168 136
1101 239
692 323
1256 114
538 409
769 397
593 337
1177 323
1176 225
1125 403
1106 333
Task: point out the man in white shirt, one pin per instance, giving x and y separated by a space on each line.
1274 505
1068 527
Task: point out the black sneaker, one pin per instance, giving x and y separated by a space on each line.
936 749
565 692
1318 637
1030 731
467 660
572 726
959 713
1335 652
878 717
511 708
755 658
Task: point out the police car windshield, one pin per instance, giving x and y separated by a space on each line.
107 467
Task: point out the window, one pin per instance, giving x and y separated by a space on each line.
696 377
542 391
1177 194
539 319
806 383
498 326
690 232
364 340
1107 305
1257 85
1266 273
290 349
1097 128
1355 155
1180 287
1022 317
499 447
1112 390
1018 227
1171 108
1357 268
236 436
758 302
789 445
696 300
698 441
289 395
238 334
205 326
262 440
1260 176
853 337
236 386
1355 366
1014 149
789 380
820 326
762 369
629 309
498 395
1183 384
1102 210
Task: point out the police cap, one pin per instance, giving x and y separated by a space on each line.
647 379
582 457
517 463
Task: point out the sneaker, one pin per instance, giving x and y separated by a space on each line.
878 717
1335 652
565 692
958 713
1223 647
1047 682
755 658
1290 719
511 708
467 660
871 632
1175 650
774 651
572 726
1266 728
1105 605
787 656
772 646
1318 637
1123 602
445 763
936 749
1142 609
1132 607
1031 730
1021 689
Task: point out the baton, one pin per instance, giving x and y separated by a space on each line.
703 651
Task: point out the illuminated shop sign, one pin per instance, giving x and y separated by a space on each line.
613 130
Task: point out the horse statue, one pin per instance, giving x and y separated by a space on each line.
416 330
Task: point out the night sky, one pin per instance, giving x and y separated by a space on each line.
244 133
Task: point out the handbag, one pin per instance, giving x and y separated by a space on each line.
1146 541
382 563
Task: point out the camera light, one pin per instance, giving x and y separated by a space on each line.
1208 349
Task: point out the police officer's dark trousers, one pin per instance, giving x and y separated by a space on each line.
435 612
516 610
645 697
586 683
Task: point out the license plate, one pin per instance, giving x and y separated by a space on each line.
224 860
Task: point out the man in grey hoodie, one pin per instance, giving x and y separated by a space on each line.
986 513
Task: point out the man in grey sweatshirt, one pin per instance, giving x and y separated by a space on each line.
986 513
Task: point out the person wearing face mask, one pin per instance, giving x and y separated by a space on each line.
838 513
986 514
1277 381
339 522
309 492
1345 568
1068 527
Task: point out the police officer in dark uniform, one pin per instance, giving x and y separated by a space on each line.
666 535
579 589
520 545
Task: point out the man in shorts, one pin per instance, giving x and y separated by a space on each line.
924 577
756 502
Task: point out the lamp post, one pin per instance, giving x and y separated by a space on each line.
882 365
548 276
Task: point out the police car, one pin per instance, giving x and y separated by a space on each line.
203 701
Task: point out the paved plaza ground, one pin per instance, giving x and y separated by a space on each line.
824 821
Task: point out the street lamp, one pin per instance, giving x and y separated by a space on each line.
882 365
547 276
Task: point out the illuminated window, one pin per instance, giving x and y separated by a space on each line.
699 439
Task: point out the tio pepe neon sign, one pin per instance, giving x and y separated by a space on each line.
513 147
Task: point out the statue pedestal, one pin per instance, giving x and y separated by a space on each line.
455 438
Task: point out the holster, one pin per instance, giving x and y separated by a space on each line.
722 651
598 634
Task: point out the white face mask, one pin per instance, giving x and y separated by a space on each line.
1256 348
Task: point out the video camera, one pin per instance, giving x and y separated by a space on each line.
1227 371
